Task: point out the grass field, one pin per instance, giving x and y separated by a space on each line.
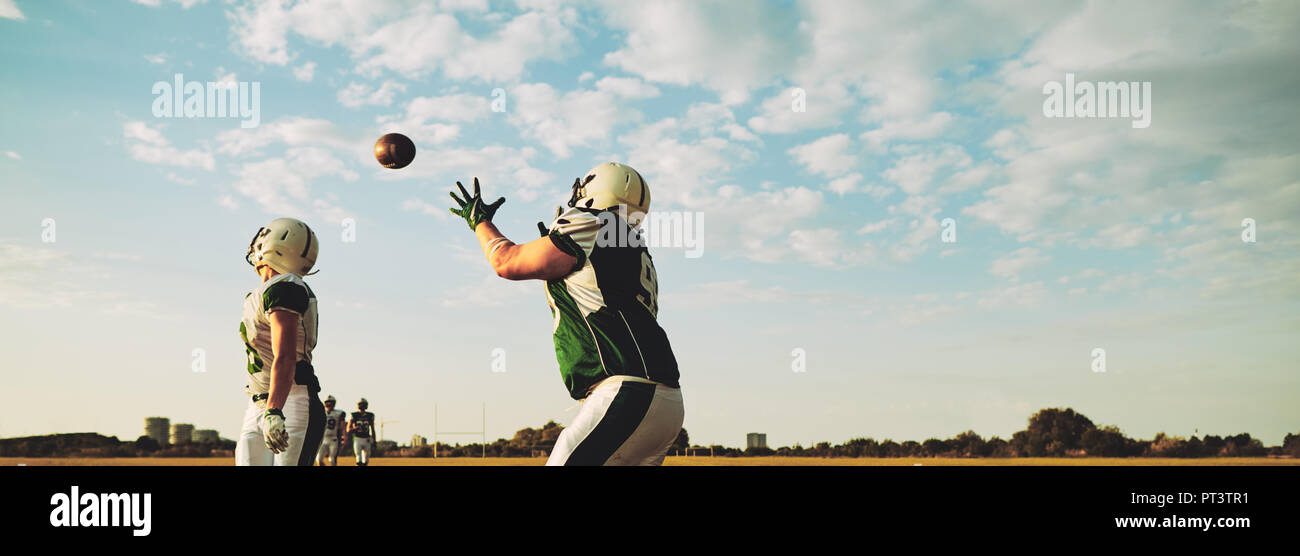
695 461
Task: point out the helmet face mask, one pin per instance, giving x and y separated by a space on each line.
363 404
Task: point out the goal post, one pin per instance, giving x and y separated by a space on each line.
481 433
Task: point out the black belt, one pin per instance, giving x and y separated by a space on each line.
259 397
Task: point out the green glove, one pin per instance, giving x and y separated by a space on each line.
472 208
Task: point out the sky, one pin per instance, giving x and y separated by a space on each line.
898 241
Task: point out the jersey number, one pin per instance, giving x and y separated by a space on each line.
649 296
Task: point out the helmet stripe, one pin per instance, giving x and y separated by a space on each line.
308 245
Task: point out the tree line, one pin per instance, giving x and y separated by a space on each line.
1051 432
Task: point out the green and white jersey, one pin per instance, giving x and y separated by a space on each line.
283 292
606 309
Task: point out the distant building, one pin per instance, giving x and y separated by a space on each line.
417 441
755 440
157 429
206 436
182 434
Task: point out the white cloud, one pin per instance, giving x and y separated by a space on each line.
9 10
578 118
305 72
754 224
459 107
730 48
680 157
1020 295
1119 236
1011 265
732 292
293 132
845 185
823 106
828 156
1122 282
823 247
282 185
58 278
159 58
708 118
13 155
356 95
914 173
228 77
627 87
1099 183
388 35
873 227
147 144
186 4
175 178
428 120
422 207
969 178
908 130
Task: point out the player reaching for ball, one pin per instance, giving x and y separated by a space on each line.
333 437
613 355
285 420
362 429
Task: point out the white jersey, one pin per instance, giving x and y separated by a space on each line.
283 292
334 423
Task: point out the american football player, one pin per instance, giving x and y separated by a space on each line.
285 420
334 424
603 294
362 429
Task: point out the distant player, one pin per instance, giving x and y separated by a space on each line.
284 421
362 429
334 426
603 291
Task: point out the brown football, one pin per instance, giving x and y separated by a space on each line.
394 151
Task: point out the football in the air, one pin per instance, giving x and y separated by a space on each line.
394 150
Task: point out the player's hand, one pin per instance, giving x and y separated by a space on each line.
541 226
277 439
472 207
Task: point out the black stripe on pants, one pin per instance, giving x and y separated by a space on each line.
621 419
315 431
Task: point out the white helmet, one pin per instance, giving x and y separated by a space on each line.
286 245
612 184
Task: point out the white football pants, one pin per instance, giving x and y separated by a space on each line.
361 447
625 421
304 420
329 452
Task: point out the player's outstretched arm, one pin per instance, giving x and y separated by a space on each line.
539 259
